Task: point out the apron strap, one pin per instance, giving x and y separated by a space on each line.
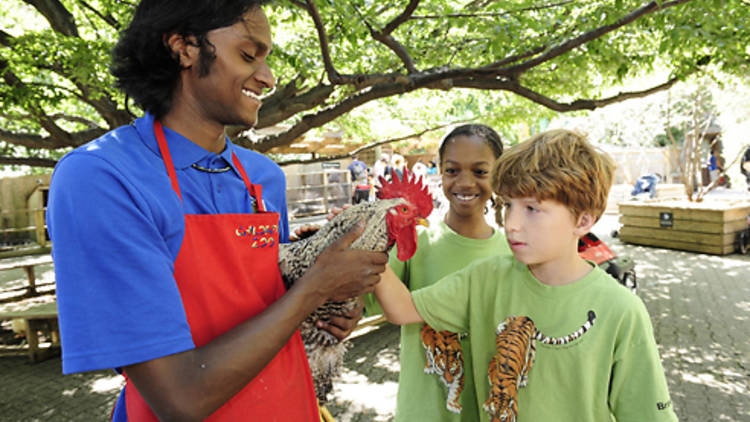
255 191
159 131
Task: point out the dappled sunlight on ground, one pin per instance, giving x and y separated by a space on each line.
355 398
107 384
700 307
39 392
367 388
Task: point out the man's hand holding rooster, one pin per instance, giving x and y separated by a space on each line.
339 326
340 272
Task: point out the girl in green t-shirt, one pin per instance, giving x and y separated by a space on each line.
462 237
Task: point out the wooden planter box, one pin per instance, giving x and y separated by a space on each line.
710 226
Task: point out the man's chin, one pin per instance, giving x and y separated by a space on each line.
250 121
243 123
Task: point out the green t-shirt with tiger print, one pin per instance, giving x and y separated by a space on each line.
440 251
607 369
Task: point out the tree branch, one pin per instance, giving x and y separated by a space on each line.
324 116
569 45
30 140
493 14
5 38
286 103
58 136
585 104
57 116
27 161
104 105
401 18
385 37
413 82
109 19
459 78
413 135
514 58
49 125
299 4
101 101
57 15
333 75
63 22
56 141
488 77
373 145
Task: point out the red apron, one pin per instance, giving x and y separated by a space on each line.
227 272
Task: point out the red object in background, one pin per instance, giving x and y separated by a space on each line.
593 249
621 269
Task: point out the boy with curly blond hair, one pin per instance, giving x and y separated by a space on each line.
556 337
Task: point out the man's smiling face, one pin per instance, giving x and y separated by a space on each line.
230 92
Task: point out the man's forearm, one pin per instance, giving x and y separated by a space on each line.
193 384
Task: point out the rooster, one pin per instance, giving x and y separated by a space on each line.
403 203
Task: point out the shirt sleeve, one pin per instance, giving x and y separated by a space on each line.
445 305
638 388
118 302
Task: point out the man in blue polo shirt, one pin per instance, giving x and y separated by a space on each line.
165 234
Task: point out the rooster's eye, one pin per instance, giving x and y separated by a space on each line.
404 209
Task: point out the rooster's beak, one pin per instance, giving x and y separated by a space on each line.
423 222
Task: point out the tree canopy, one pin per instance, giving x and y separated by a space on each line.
332 58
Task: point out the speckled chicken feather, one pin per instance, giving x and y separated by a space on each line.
324 352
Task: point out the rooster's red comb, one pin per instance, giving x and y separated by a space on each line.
410 188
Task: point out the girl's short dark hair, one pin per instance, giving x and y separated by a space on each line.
480 131
145 68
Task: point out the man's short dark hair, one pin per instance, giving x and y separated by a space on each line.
146 70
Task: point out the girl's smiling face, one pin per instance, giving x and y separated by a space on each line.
465 166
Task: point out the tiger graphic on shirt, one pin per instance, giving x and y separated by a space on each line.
508 371
509 368
445 359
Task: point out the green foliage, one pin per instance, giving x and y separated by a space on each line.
663 139
68 75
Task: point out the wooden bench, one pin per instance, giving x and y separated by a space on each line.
33 320
27 263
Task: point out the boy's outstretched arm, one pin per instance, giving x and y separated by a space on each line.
395 299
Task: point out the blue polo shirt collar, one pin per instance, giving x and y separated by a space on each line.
184 152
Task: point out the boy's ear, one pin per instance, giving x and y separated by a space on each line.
183 49
584 224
